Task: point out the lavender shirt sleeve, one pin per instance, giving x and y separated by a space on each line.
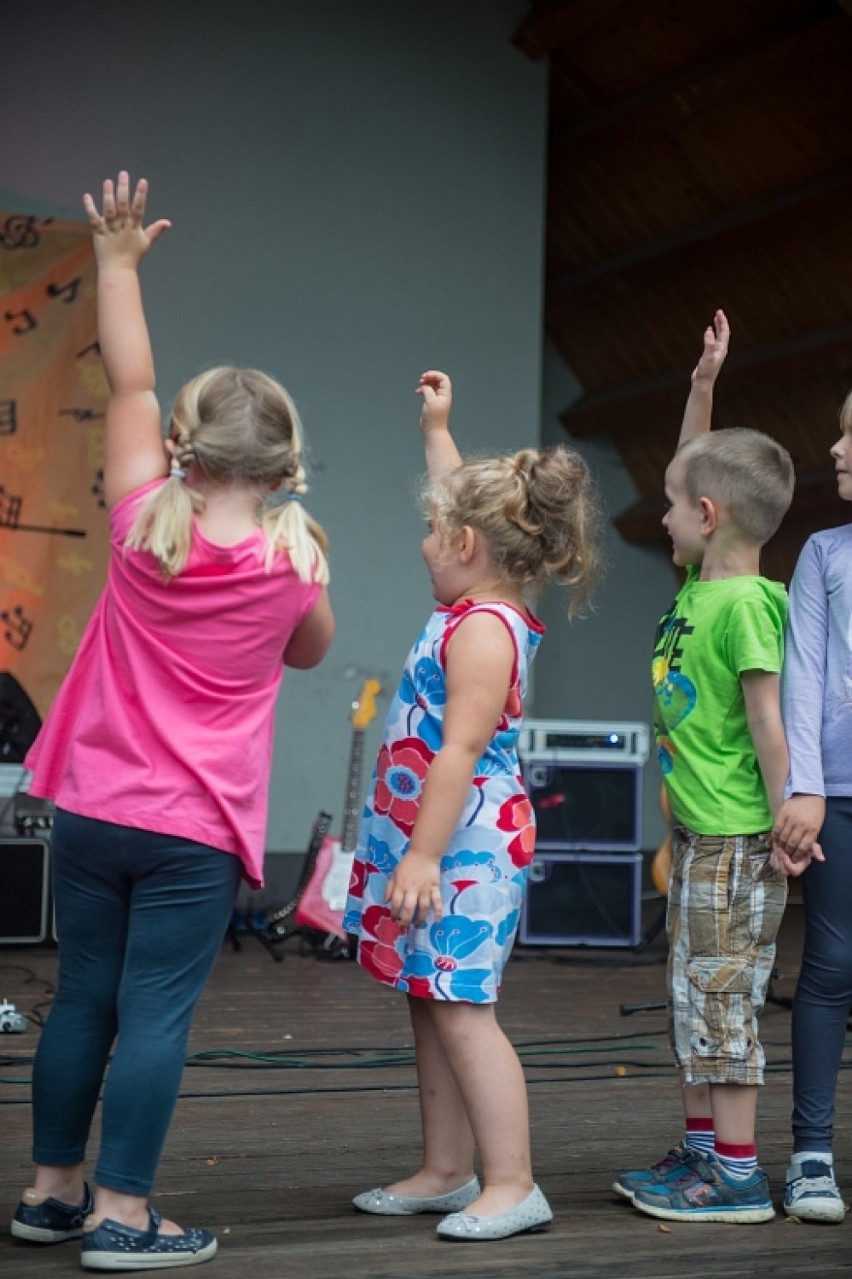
803 680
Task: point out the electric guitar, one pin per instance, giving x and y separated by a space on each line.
323 901
281 924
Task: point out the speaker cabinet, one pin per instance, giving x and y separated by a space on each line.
583 899
585 805
24 891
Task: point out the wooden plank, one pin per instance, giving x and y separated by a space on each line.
269 1154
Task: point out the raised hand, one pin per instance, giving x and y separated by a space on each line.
717 337
120 238
437 392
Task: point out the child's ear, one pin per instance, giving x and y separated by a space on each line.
467 543
709 514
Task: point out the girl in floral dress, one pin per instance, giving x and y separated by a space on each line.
448 832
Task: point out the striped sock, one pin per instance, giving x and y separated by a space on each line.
700 1135
737 1160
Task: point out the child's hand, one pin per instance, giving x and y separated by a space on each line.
119 237
797 825
716 338
414 889
437 392
794 866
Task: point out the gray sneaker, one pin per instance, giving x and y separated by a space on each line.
811 1193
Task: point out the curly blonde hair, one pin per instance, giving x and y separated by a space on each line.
537 510
239 426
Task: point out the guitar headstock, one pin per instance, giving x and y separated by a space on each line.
364 708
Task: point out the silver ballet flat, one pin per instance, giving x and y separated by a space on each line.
532 1213
386 1204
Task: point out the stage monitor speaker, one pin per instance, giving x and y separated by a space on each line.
585 805
19 720
583 899
24 891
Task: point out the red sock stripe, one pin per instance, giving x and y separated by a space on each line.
727 1150
699 1125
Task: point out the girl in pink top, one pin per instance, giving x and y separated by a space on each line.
157 752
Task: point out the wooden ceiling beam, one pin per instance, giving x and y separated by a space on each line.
732 219
554 24
583 133
594 412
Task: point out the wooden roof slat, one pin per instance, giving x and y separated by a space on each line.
649 107
737 216
554 24
593 412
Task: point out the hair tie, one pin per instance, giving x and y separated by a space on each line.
293 497
177 473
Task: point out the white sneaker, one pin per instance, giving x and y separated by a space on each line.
811 1193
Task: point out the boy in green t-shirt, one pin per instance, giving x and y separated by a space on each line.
721 745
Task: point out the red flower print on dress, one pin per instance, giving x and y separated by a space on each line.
517 814
400 772
381 957
357 878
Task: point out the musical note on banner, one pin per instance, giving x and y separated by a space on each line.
8 417
10 517
18 627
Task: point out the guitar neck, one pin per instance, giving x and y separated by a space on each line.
351 802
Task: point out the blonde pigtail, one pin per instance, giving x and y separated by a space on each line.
288 527
163 524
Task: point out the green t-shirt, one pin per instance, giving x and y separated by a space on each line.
714 632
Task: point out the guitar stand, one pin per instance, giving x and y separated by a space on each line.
247 924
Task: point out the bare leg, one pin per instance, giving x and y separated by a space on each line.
734 1113
697 1103
448 1144
130 1210
67 1184
491 1082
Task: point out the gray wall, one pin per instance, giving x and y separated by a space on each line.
357 193
599 667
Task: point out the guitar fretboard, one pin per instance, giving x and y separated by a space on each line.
352 806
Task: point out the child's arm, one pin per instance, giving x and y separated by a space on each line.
310 641
441 452
697 415
763 713
761 691
480 660
133 450
802 696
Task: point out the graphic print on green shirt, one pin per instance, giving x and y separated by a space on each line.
712 634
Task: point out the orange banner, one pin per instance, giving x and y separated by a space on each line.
53 392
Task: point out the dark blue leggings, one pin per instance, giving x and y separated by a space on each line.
824 992
140 919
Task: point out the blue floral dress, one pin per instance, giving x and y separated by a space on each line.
483 871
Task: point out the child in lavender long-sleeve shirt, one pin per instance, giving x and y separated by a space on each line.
817 707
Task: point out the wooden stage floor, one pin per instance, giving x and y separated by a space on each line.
300 1092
